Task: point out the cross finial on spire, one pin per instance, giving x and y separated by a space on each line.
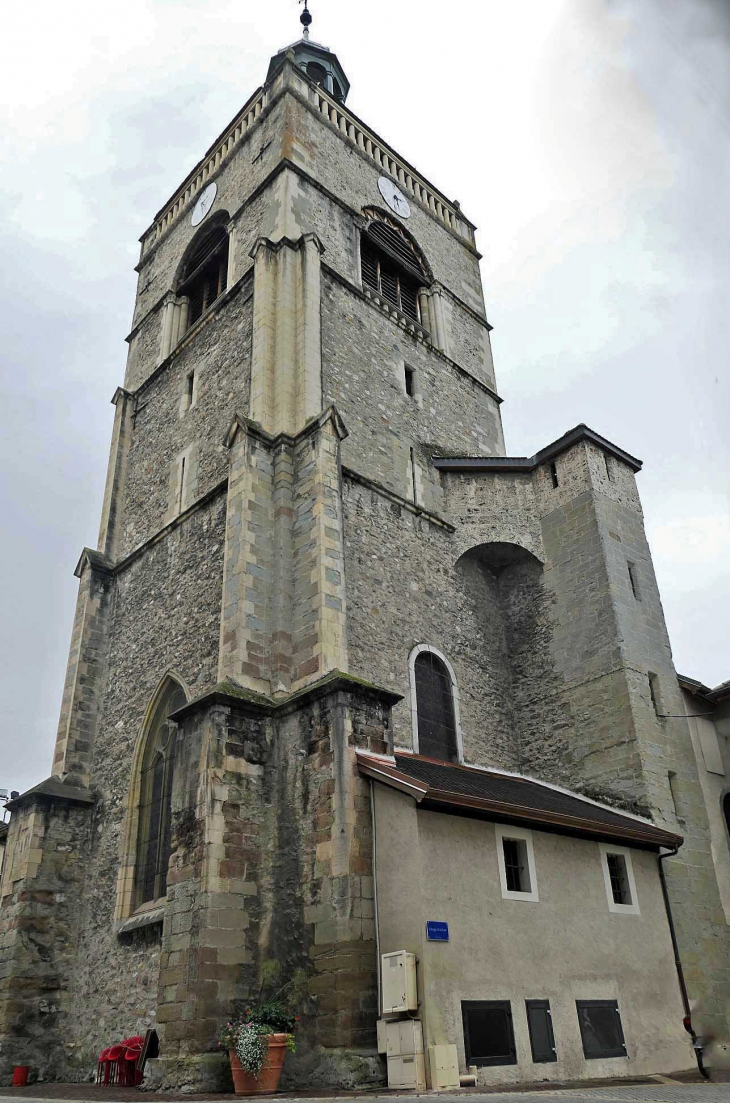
306 17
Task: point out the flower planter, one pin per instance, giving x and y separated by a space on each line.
267 1080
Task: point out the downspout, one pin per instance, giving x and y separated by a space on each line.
678 963
375 889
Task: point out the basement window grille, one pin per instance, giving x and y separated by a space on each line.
206 273
489 1037
600 1029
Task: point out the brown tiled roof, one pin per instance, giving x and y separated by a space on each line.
496 795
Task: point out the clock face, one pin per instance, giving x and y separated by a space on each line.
394 197
205 202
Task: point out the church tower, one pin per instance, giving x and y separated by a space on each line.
312 544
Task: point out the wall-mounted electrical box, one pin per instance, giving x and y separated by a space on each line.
407 1072
400 994
443 1067
403 1037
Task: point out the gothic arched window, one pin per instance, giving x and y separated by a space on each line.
206 272
391 264
155 799
435 706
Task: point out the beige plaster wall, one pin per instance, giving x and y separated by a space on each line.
565 946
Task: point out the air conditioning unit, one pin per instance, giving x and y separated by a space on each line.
400 993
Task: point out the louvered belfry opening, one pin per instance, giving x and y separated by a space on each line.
206 273
391 266
435 705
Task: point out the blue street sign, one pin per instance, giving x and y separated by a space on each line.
437 932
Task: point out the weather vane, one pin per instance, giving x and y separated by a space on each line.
306 17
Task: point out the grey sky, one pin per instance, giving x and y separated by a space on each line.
588 139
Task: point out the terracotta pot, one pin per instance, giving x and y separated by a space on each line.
267 1081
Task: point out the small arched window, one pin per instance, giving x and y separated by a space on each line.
435 718
206 273
155 800
391 264
317 73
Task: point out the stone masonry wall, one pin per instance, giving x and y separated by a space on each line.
364 377
166 599
220 356
42 881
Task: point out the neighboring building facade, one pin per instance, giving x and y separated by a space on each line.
313 547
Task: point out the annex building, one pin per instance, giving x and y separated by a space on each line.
345 679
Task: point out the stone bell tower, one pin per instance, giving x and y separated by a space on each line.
298 296
307 487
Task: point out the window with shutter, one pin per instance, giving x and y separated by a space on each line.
540 1025
600 1028
206 273
488 1033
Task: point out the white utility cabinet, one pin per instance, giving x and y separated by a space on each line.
443 1067
407 1072
403 1037
400 993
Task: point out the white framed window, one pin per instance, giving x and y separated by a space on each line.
516 859
618 877
435 694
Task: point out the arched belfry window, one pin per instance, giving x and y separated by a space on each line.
435 705
391 263
155 799
205 275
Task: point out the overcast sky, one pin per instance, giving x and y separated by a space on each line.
589 141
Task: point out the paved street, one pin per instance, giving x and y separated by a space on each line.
636 1093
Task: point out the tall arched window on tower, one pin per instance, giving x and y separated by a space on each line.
435 705
391 263
205 275
155 799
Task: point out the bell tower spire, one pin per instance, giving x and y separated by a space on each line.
305 18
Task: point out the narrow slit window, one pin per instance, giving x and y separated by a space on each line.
607 462
554 474
655 693
191 388
672 778
181 497
410 381
634 580
619 879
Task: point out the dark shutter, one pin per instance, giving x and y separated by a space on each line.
539 1022
435 707
489 1038
600 1028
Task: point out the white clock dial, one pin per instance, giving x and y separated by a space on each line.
205 202
394 197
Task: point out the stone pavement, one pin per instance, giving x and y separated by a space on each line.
655 1092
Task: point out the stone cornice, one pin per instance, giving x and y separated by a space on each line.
230 695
